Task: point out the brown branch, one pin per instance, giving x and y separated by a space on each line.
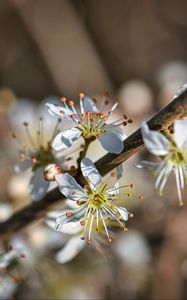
161 121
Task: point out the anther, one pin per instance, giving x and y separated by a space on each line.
83 238
94 100
81 95
34 161
71 103
62 111
68 214
63 99
113 174
125 229
124 123
23 255
125 117
131 185
131 215
82 223
107 102
181 203
25 124
10 247
140 197
109 240
89 242
14 136
130 121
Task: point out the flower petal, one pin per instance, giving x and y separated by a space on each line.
38 186
118 131
180 133
71 204
111 142
69 187
70 250
56 110
89 105
66 139
90 172
71 228
23 165
64 218
149 165
155 142
123 212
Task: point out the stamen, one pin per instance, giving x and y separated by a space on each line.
104 224
30 139
68 214
63 99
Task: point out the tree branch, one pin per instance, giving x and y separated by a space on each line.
161 121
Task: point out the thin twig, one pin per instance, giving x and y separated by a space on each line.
161 121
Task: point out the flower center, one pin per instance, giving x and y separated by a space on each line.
42 157
91 124
177 157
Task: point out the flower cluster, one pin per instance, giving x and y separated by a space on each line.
172 152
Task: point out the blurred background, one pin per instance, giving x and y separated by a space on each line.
136 51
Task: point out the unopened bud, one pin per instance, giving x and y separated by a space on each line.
51 171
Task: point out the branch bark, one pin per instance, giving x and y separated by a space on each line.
161 121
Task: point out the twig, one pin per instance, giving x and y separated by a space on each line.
161 121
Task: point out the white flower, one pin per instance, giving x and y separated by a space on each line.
89 123
172 152
96 201
36 156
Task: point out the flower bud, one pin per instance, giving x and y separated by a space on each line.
51 170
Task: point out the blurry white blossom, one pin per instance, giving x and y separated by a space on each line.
172 153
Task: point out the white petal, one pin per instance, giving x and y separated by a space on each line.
23 165
151 166
70 250
118 131
180 133
71 228
123 212
66 139
155 142
89 105
111 142
63 219
69 187
71 204
55 110
51 218
89 171
38 186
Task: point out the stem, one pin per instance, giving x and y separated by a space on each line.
82 154
161 121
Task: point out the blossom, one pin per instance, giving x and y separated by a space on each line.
9 281
97 201
172 153
90 123
36 155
